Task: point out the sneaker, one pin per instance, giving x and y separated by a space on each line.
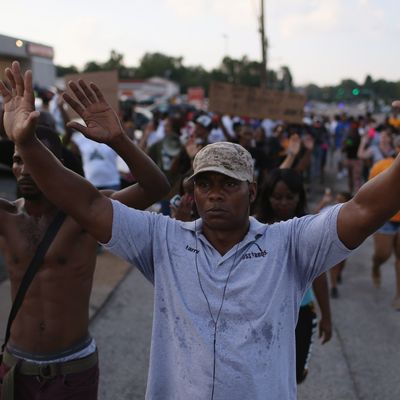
334 293
396 303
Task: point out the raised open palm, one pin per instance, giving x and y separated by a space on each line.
19 104
102 123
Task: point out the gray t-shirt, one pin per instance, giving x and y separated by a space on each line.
271 268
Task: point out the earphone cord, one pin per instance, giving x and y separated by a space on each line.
215 321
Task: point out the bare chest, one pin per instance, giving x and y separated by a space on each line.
69 253
21 239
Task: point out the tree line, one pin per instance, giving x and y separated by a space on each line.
239 71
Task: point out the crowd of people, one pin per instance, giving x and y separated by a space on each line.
356 146
232 252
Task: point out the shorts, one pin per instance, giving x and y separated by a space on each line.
389 228
305 328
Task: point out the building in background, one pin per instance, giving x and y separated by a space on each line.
35 56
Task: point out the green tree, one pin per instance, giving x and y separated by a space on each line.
368 83
115 62
386 91
194 76
62 71
92 66
285 79
313 92
242 71
272 79
158 64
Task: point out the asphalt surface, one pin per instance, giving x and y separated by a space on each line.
122 330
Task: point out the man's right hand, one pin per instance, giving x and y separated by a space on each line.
20 116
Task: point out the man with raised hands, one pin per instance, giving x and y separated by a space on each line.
50 353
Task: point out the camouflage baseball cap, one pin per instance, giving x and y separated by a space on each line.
227 158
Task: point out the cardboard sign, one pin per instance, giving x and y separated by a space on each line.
107 81
254 102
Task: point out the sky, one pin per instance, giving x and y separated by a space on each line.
322 41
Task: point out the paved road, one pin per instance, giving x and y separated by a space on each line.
122 330
363 360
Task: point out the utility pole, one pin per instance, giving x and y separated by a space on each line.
264 47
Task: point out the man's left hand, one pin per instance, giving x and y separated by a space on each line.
102 123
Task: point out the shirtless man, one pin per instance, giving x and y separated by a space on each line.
51 327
